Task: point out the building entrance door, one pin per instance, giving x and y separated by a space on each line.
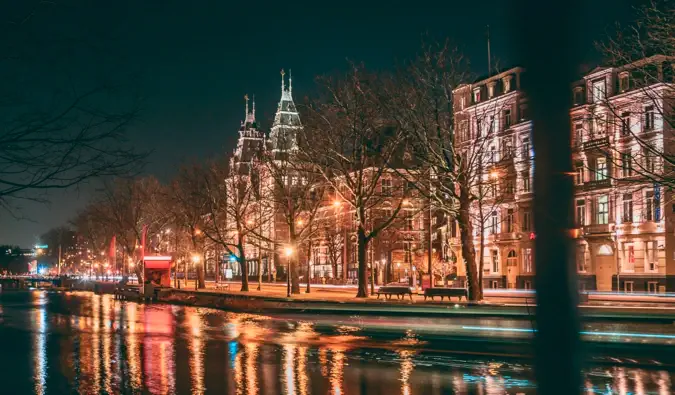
604 270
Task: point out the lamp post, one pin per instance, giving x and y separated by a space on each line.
288 251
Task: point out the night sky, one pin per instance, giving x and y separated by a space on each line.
193 61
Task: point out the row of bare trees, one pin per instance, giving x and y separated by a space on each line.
359 128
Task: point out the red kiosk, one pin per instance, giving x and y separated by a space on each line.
157 269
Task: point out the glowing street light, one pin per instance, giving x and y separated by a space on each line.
336 203
196 258
494 174
288 251
300 222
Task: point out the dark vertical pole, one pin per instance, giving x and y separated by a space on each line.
549 50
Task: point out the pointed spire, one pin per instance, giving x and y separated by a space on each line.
253 114
246 114
290 81
283 86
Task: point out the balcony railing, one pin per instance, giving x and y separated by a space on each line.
504 236
597 184
597 229
596 143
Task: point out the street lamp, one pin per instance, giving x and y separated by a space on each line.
288 251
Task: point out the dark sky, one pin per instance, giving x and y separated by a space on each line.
193 61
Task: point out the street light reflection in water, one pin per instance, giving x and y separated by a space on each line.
85 343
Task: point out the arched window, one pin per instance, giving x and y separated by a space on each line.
511 258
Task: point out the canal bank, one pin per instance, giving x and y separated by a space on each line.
262 303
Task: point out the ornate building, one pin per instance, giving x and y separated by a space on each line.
624 235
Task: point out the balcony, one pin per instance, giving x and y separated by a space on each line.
597 229
597 184
507 236
602 142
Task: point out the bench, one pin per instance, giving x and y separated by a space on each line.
388 291
443 292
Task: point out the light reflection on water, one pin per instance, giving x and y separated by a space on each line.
90 344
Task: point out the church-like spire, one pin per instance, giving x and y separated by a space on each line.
283 82
290 81
246 113
253 112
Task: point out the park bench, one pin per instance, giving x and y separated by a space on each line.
388 291
443 292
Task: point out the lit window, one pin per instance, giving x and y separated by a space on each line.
526 148
581 212
527 260
649 118
649 206
578 134
507 118
526 182
579 175
527 221
509 220
603 210
493 223
495 261
598 91
628 207
625 123
476 95
600 169
626 164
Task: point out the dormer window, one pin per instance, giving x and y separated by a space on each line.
506 81
623 81
578 96
491 90
476 95
599 91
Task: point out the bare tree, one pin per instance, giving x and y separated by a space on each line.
93 229
129 206
452 158
229 208
641 100
292 192
352 145
60 131
187 210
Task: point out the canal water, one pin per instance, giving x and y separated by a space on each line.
82 343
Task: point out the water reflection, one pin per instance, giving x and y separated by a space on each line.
39 344
89 344
194 323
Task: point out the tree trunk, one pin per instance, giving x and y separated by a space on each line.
243 265
260 272
295 277
468 251
138 269
481 250
201 273
361 246
309 260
